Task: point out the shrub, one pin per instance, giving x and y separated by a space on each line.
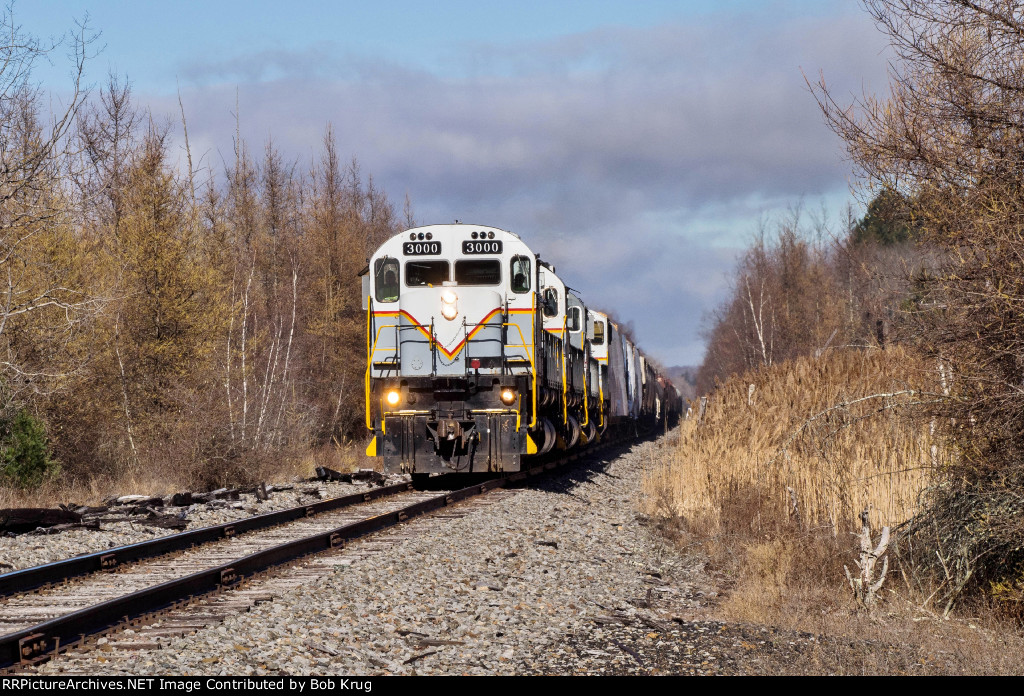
25 459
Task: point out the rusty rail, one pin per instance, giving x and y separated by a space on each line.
37 576
42 641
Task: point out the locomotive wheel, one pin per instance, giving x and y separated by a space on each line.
572 435
549 436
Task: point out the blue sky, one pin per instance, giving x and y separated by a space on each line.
635 144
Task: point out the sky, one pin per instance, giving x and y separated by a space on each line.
636 145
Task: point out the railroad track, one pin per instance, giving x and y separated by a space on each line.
86 595
202 575
48 609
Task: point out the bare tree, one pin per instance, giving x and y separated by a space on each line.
949 138
786 302
37 277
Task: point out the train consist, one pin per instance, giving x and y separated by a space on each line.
479 355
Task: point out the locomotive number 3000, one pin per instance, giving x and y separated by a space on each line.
421 248
469 247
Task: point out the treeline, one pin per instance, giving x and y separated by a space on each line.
802 288
198 323
944 148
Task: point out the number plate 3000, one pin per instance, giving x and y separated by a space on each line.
421 248
489 247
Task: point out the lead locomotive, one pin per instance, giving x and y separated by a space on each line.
479 355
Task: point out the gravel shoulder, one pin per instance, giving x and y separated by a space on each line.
559 578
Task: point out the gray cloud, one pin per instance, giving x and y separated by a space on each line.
617 153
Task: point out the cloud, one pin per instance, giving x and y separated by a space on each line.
623 153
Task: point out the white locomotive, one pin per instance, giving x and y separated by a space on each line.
478 355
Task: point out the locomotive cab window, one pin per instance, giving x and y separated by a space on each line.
385 272
572 319
550 302
422 273
478 272
598 333
520 274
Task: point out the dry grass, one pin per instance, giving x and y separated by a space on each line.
831 434
900 641
156 480
835 434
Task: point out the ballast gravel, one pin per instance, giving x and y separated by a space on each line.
562 577
117 529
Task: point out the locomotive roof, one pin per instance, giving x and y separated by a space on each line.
454 230
451 236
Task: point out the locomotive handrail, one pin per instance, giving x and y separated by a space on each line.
369 359
524 345
533 325
371 350
533 370
586 392
504 340
565 382
433 349
376 338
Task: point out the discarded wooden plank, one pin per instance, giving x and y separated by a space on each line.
135 646
164 522
370 476
219 494
181 499
20 520
141 500
58 528
324 473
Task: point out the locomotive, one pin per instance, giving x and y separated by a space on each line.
479 355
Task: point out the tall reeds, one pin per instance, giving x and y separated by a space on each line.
812 442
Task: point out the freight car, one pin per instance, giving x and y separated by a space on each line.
479 355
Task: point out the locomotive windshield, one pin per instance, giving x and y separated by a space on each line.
421 273
549 302
386 274
484 272
521 274
598 333
572 321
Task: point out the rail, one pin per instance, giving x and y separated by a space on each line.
42 641
58 571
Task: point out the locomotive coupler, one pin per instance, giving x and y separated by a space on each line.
449 429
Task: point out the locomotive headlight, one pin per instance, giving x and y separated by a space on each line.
393 397
508 396
449 304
